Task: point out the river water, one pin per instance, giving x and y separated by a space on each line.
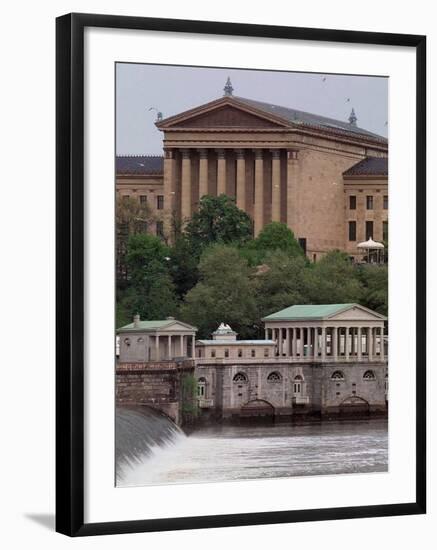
228 453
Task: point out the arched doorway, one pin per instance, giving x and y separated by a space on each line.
258 408
354 405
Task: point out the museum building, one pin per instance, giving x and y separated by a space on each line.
326 179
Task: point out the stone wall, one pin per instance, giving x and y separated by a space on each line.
156 384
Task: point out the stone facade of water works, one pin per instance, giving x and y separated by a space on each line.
164 386
323 360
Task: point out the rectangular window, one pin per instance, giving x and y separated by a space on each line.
143 199
385 202
213 353
385 231
252 352
352 202
159 229
160 202
369 202
240 353
266 352
303 244
226 353
352 231
369 230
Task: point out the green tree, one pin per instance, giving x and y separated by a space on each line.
151 291
333 280
218 220
224 293
282 284
375 282
183 266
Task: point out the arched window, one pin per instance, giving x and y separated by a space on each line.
240 377
297 384
201 387
369 375
127 341
337 375
140 340
274 377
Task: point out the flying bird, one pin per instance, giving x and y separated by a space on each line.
348 99
324 79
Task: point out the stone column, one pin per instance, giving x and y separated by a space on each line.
241 180
381 344
370 343
259 192
169 188
290 342
293 343
280 342
346 342
203 172
316 342
292 176
169 346
186 185
323 344
193 346
334 343
276 185
181 345
221 172
360 344
157 355
266 334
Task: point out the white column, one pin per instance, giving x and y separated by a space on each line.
334 343
181 345
381 344
169 346
346 342
293 342
221 172
169 187
292 191
241 180
157 356
323 343
280 342
266 334
370 343
360 343
193 346
316 342
203 172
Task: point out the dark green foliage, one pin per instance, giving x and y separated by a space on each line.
224 293
375 287
218 220
183 266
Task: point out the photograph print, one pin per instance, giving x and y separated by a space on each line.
252 257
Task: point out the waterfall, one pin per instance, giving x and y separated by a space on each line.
139 431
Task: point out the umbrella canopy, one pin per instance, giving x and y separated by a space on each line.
370 245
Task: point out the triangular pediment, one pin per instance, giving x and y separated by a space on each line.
177 326
222 113
357 313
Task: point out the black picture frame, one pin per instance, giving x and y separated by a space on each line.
70 273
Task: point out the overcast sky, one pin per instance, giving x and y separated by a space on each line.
172 89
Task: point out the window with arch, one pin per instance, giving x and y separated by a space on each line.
337 375
240 377
201 387
369 375
127 341
140 340
297 384
274 377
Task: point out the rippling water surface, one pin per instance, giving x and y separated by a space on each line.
225 453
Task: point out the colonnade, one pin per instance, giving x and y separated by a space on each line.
180 347
175 175
329 343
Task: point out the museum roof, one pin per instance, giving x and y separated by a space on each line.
309 119
307 312
139 164
370 166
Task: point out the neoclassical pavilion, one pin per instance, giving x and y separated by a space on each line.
325 333
161 340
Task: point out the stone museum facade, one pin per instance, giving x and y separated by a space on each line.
315 359
326 179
